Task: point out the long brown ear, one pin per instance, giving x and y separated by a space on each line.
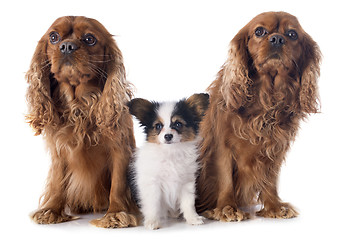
310 69
41 107
235 80
112 108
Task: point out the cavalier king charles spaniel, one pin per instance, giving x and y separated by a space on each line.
265 88
77 99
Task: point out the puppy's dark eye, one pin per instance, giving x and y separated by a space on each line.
260 32
178 125
89 39
158 126
54 37
292 34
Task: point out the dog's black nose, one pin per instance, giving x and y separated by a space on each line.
168 137
68 47
277 40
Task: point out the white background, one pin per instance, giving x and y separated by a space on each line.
173 49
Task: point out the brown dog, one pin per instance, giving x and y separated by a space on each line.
263 91
77 99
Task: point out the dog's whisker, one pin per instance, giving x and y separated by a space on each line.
100 61
97 70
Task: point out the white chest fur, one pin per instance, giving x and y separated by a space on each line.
165 176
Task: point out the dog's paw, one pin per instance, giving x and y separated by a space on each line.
284 211
226 214
195 220
49 216
152 224
116 220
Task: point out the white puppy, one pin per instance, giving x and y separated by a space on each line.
165 167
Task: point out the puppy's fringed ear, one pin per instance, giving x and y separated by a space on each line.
199 102
143 110
310 72
234 73
41 107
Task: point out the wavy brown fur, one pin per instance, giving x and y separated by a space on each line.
256 104
85 123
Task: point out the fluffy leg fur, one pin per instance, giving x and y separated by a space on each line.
151 205
52 207
226 209
273 207
187 205
118 215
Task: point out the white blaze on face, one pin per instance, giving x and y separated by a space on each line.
165 112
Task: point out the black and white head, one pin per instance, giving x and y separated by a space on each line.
170 122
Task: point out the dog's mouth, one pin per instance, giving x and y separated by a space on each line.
275 56
271 64
71 74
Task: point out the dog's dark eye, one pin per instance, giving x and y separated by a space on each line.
260 32
178 125
292 34
54 37
158 126
89 39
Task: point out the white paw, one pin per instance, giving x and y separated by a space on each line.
195 220
152 224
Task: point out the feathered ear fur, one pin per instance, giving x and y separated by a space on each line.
41 108
144 111
116 93
199 102
234 74
310 71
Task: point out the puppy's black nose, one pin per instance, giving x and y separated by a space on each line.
68 47
277 40
168 137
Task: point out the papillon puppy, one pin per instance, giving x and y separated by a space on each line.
164 169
